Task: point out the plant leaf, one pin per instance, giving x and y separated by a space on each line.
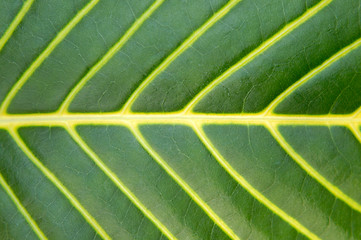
155 119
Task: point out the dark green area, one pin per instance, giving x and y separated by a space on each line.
257 84
335 90
244 28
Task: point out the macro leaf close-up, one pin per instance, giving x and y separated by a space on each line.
180 119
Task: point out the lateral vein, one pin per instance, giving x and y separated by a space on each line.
14 24
246 185
178 51
310 170
355 129
112 51
41 58
113 177
196 198
357 113
342 53
256 52
76 204
22 209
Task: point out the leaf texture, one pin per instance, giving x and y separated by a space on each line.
172 119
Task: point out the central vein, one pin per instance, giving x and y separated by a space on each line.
172 118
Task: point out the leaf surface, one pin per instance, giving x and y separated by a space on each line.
207 119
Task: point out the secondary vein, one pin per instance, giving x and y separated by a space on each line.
256 52
181 182
14 24
113 177
310 170
41 58
178 51
246 185
105 59
48 174
22 209
340 54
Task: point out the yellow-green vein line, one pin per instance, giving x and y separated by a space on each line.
246 185
256 52
14 24
355 129
51 119
178 51
76 204
343 52
310 170
41 58
113 50
357 113
21 208
113 177
182 183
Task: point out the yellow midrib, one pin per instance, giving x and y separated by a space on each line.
18 120
351 121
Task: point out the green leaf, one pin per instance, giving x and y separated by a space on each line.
173 119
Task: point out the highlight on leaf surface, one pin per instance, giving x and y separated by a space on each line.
172 119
